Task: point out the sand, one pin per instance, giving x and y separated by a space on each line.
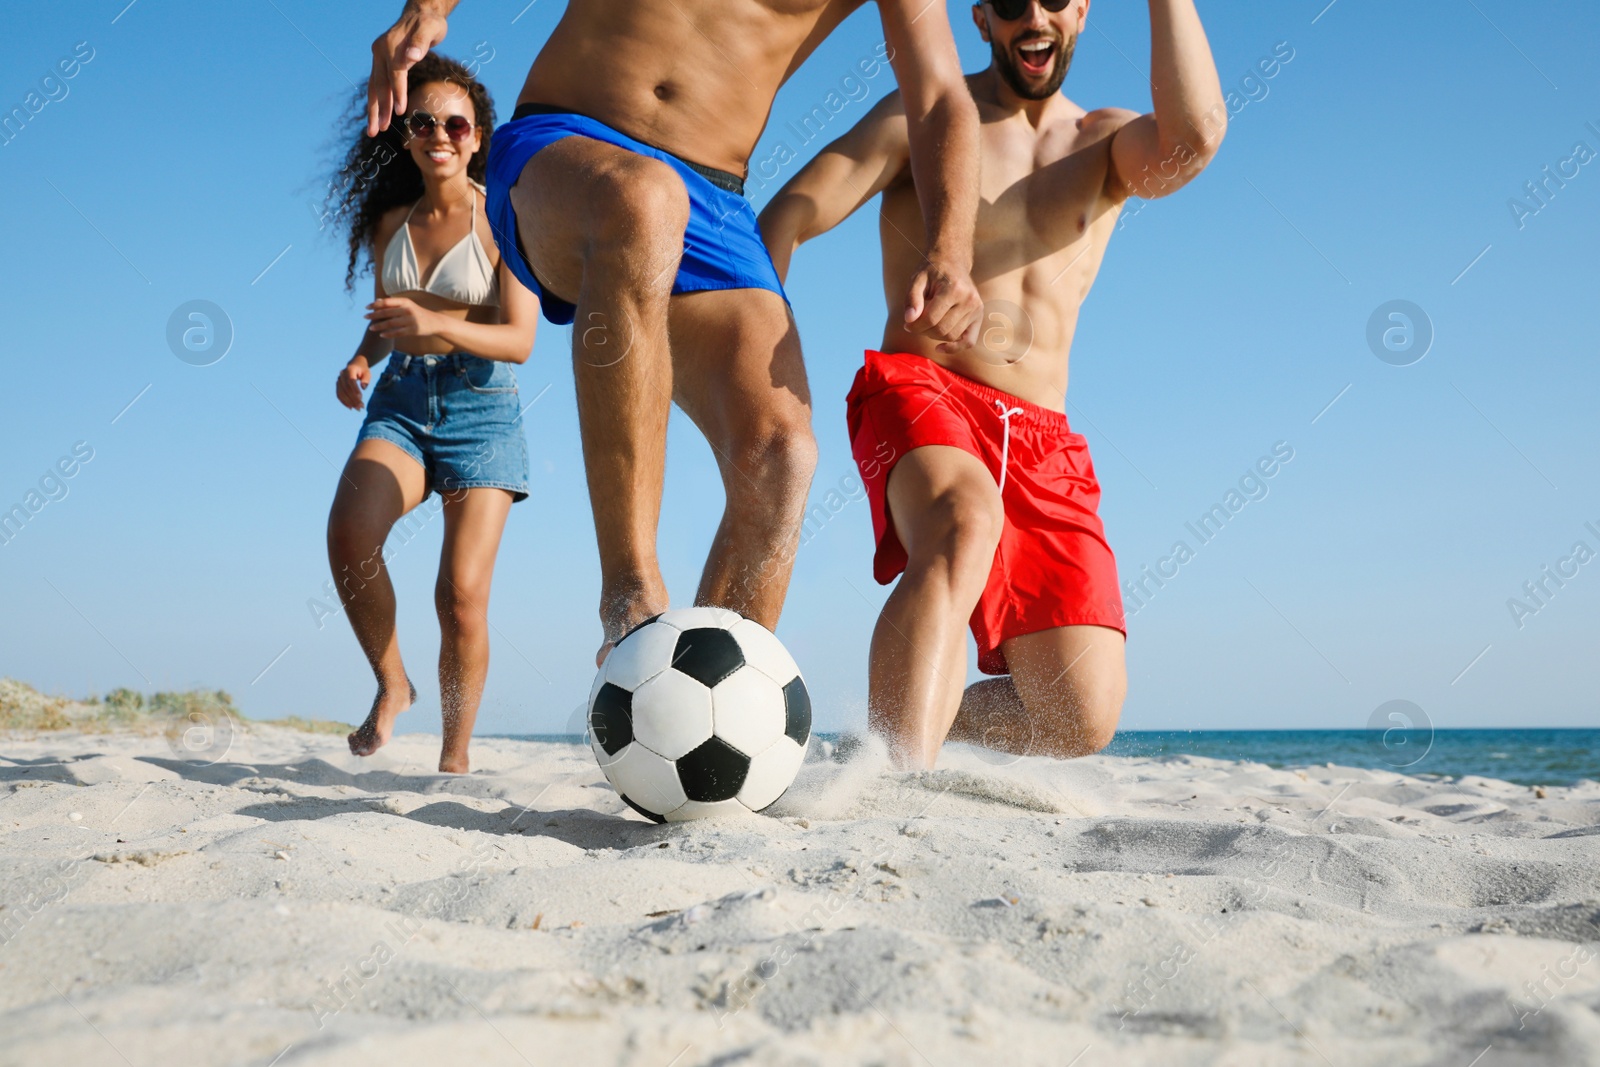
290 904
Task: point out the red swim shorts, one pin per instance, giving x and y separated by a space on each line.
1053 567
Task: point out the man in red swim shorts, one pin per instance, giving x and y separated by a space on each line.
983 499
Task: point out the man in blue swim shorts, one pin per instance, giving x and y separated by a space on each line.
616 195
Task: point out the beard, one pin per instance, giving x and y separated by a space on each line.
1018 81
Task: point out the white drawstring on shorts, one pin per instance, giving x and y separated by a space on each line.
1005 441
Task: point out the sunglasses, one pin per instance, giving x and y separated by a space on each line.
1011 10
421 126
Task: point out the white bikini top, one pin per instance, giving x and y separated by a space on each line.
465 274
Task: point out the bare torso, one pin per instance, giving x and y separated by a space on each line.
433 240
1044 220
694 77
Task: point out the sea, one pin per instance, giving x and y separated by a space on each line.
1524 756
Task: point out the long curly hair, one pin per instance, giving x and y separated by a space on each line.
378 173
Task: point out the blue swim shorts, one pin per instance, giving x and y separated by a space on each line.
457 415
722 247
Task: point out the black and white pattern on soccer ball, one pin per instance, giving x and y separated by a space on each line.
699 712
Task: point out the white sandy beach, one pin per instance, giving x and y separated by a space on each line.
293 905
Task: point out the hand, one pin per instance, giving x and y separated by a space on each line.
353 381
945 304
393 54
398 316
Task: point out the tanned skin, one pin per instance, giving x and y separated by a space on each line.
381 482
603 228
1055 178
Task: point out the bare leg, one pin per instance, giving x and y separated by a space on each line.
1062 699
740 377
381 482
473 522
604 227
947 511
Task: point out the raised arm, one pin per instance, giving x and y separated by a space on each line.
942 131
420 27
842 177
1157 154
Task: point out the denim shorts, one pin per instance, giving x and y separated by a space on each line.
457 415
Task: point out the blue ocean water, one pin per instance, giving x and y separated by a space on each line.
1527 757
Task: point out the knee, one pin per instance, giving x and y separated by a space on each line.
961 530
462 605
1100 703
641 205
1098 725
776 456
355 545
1090 709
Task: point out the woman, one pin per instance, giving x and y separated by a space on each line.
444 417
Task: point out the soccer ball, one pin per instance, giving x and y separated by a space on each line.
699 712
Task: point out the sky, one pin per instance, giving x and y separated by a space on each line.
1441 461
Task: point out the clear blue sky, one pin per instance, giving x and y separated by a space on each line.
1377 165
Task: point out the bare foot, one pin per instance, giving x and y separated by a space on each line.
375 732
454 764
623 610
605 649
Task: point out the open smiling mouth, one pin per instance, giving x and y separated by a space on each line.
1035 57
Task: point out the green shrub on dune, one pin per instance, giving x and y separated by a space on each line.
312 726
124 703
22 707
204 703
